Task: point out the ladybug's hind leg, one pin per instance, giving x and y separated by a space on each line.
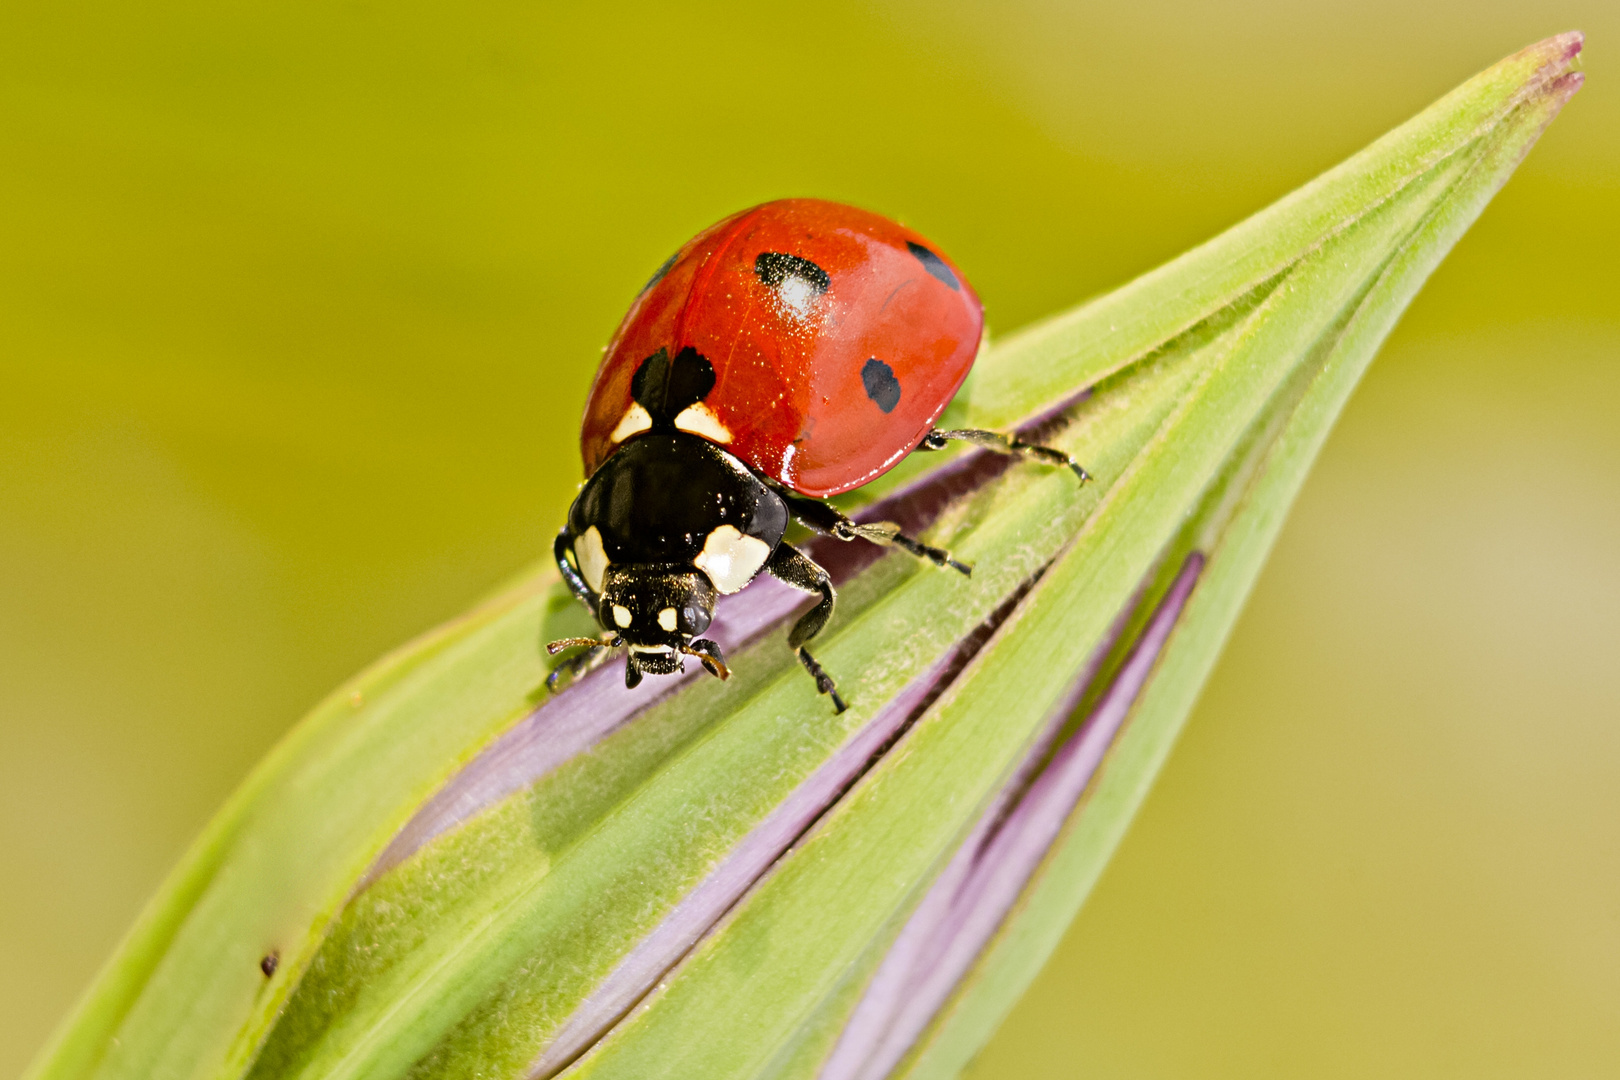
1002 444
825 518
795 568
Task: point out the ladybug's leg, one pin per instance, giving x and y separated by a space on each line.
825 518
794 567
597 651
1002 444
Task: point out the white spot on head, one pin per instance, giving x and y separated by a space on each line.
650 648
699 419
666 620
731 559
634 421
592 559
621 615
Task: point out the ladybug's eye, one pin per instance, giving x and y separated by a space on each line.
696 618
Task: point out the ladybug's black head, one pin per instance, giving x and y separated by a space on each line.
657 611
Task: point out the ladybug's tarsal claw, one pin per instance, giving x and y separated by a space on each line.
1003 444
937 556
824 683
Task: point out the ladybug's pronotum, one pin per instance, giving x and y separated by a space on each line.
789 353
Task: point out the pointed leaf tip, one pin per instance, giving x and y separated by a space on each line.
708 879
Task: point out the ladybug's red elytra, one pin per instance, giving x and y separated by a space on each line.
788 353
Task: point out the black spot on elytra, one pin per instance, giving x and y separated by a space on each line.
775 267
934 265
881 385
664 387
658 274
269 962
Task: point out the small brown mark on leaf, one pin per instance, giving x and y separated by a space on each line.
269 962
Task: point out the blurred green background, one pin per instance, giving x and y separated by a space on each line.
299 304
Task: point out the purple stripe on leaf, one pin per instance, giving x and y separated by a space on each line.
639 972
571 723
973 894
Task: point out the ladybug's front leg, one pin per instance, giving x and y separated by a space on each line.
790 565
1002 444
825 518
597 650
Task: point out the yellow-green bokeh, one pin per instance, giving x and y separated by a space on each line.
298 304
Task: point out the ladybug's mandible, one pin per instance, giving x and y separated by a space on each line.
791 352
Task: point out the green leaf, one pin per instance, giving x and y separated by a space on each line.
460 877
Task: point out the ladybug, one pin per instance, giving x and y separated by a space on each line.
789 353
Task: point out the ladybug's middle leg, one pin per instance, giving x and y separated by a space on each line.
825 518
794 567
1002 444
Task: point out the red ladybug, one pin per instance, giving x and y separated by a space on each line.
791 352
